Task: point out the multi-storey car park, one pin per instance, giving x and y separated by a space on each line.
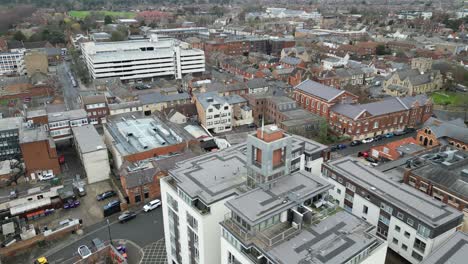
137 60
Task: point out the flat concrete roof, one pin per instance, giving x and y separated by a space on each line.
405 197
67 115
88 139
134 133
29 135
334 240
453 251
10 123
215 176
260 204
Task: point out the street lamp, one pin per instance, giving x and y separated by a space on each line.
108 229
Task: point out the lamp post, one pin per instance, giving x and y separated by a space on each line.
108 229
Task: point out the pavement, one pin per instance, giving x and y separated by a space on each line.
144 230
155 253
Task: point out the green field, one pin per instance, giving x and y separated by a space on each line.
83 14
450 98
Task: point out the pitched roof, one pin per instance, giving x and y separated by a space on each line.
157 97
290 60
455 129
317 89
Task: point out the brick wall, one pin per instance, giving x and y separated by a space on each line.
40 156
156 152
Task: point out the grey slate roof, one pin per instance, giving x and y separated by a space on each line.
257 83
157 97
290 60
319 90
455 129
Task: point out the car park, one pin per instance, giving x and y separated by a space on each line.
367 140
355 143
84 251
105 195
126 216
152 205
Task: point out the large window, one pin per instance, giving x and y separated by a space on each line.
423 230
419 245
416 256
386 208
384 220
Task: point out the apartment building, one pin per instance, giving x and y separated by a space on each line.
452 251
12 63
9 137
137 60
214 112
413 223
195 193
96 108
60 123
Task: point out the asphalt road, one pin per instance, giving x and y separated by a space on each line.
146 228
70 93
363 147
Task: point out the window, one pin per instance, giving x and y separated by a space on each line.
210 110
338 191
395 241
307 101
404 247
410 222
384 220
365 209
400 215
376 124
416 256
349 197
351 187
397 228
423 230
386 208
340 180
407 235
419 245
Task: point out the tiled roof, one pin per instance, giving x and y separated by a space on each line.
317 89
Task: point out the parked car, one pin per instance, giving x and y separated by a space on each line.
152 205
112 204
46 175
399 132
363 154
105 195
341 146
126 216
410 129
371 159
367 140
389 135
80 190
379 137
13 194
71 204
97 243
143 86
41 260
84 251
355 143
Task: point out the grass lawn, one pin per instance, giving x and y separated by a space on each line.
83 14
450 98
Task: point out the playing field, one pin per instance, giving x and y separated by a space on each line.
450 98
83 14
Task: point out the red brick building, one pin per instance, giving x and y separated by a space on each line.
358 121
96 108
437 132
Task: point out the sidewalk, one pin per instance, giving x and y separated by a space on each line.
155 253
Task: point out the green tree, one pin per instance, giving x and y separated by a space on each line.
107 20
117 36
19 36
323 131
381 50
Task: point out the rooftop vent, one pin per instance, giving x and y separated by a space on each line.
209 99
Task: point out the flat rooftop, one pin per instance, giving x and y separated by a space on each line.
215 176
10 123
134 133
420 205
67 115
335 240
29 135
260 204
453 251
88 139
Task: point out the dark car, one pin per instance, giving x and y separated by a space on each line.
71 204
371 159
355 143
340 146
379 137
143 87
410 129
112 203
106 195
126 216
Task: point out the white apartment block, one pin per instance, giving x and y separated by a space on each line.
142 59
413 223
12 63
214 112
263 179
